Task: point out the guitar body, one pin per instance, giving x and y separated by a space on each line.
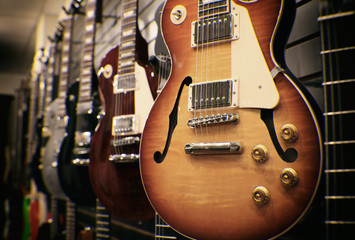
75 179
57 127
117 185
211 193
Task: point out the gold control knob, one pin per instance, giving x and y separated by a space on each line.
289 177
289 133
261 195
259 153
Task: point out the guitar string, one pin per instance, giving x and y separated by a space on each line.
194 103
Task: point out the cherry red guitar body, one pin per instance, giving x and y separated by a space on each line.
117 185
232 147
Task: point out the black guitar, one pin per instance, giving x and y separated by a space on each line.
82 110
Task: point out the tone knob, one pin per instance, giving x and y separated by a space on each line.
259 153
289 133
289 177
261 195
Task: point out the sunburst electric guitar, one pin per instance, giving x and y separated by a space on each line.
232 147
128 86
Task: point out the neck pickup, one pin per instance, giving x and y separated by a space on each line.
218 28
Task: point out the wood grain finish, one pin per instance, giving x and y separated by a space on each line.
118 186
210 196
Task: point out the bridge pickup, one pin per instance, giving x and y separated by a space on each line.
213 119
81 162
125 141
124 158
125 124
214 94
213 148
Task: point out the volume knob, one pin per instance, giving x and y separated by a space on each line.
289 133
259 153
289 177
261 195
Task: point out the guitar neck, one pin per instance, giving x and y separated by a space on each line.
64 67
85 87
70 220
32 116
127 53
338 47
102 221
50 80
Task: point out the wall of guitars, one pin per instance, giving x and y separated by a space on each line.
184 119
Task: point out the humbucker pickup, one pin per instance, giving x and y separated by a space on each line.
124 83
223 27
214 94
125 124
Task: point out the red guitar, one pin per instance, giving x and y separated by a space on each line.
128 96
231 148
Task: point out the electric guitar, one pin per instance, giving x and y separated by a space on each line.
128 93
232 147
55 114
82 109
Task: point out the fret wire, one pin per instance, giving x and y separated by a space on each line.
339 197
339 142
165 237
338 113
336 15
337 50
338 82
339 170
339 222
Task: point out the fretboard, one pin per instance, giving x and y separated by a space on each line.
102 221
64 67
70 220
32 116
88 52
208 8
50 80
126 58
338 51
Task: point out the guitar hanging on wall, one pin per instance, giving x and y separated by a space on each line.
82 110
55 122
128 94
231 144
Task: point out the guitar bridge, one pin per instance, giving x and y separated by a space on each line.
214 148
